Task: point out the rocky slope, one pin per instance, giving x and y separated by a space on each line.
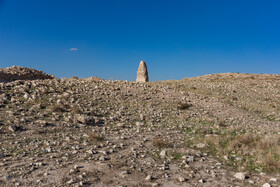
21 73
215 130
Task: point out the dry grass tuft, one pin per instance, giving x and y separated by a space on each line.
246 139
160 143
256 151
270 161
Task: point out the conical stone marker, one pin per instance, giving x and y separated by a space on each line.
142 73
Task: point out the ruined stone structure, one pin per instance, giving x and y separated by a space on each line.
142 73
22 73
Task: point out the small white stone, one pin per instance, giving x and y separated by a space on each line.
201 181
162 154
76 166
26 96
123 173
266 185
12 128
91 151
72 171
240 176
70 181
200 145
39 164
225 157
139 124
102 158
148 178
181 179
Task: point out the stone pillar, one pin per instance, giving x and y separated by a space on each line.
142 73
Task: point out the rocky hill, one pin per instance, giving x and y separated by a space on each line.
21 73
214 130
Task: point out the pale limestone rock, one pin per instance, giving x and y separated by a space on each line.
240 176
142 73
162 154
181 179
266 185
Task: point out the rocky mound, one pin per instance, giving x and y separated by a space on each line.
215 130
95 79
22 73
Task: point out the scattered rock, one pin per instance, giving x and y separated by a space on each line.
13 128
266 185
251 181
181 179
102 158
9 177
84 120
124 173
200 145
162 154
201 181
148 178
26 96
240 176
273 179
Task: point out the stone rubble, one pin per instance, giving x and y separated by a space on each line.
21 73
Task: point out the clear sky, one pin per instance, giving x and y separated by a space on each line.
108 38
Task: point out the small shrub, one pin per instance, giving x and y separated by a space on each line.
176 155
270 161
268 142
76 109
183 106
161 143
247 139
75 77
193 88
256 151
222 123
58 108
95 137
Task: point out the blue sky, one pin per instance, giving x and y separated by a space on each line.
108 38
